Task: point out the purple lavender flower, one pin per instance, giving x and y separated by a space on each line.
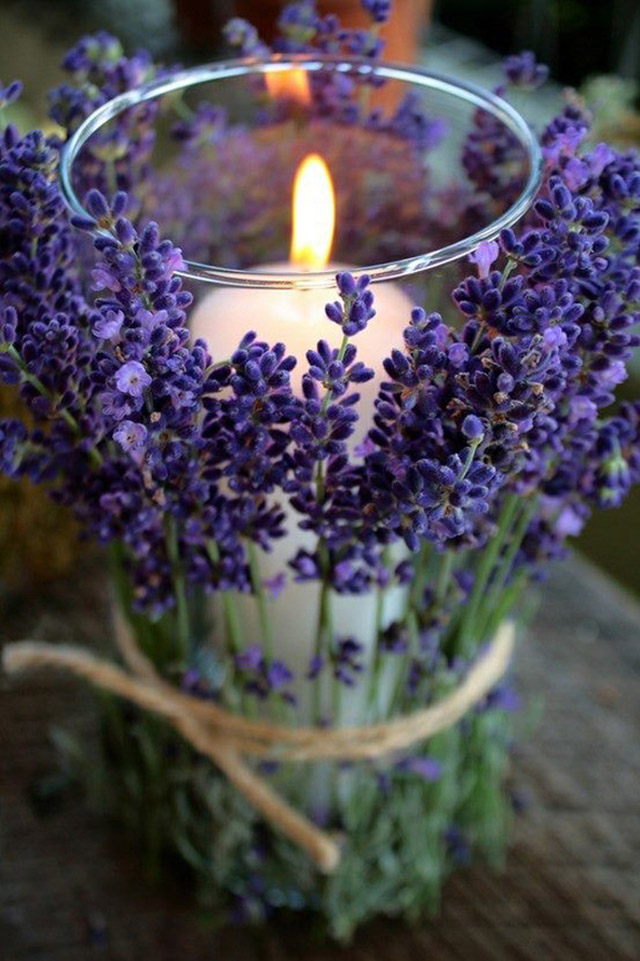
335 373
107 326
554 337
240 33
522 70
378 10
484 256
394 639
568 522
599 158
130 436
346 660
278 675
299 22
564 135
503 697
494 160
10 93
98 71
426 767
13 440
262 678
250 659
196 685
305 565
246 433
452 489
458 845
316 665
132 379
275 585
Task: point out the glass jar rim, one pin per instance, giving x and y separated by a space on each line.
462 90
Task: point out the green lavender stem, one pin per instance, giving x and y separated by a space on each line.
397 700
496 599
422 569
470 620
182 109
261 600
324 632
505 602
231 617
376 665
444 576
473 446
179 586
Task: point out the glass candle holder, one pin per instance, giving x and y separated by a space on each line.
228 137
273 176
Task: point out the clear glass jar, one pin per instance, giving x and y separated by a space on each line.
400 212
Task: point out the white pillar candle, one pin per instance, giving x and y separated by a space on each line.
297 318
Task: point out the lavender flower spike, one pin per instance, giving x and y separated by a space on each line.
356 309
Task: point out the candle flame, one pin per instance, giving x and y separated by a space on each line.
292 84
314 214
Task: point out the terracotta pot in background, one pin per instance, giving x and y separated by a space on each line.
402 33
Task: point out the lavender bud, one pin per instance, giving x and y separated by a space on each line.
346 284
9 326
97 206
334 312
472 427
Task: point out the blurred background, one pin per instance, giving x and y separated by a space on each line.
589 45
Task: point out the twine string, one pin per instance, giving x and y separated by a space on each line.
226 738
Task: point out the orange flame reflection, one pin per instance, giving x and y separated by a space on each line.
292 84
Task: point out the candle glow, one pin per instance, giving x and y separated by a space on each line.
314 214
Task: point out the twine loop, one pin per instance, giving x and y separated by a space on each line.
228 738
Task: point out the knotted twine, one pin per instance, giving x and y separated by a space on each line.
226 738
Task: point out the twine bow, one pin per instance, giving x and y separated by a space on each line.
225 737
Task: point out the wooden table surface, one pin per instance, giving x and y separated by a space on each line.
71 887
